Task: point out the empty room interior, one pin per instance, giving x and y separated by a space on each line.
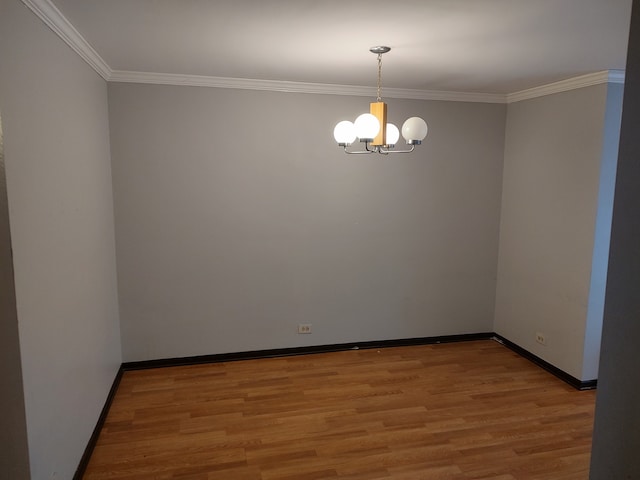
212 266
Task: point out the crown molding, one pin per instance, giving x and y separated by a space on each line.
298 87
56 21
597 78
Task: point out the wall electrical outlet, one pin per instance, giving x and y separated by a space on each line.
540 338
304 328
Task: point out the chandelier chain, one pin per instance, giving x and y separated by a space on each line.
379 77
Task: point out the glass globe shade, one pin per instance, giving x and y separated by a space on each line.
393 134
367 127
344 132
414 130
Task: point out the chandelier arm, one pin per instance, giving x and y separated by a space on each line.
388 151
358 152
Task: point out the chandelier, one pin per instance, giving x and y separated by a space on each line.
372 128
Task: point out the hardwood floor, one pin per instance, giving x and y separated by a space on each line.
471 410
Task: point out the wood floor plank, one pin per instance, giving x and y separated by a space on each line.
460 411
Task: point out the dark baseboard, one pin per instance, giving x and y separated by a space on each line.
561 374
287 352
86 456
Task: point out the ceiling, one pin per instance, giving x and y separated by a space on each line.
483 46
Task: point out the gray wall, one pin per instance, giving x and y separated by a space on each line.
552 178
237 217
14 454
56 139
616 439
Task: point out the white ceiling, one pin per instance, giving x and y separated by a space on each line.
484 46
